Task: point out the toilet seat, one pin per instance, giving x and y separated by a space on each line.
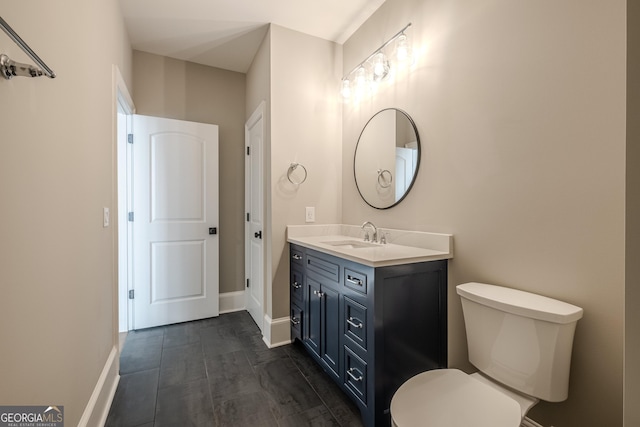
451 398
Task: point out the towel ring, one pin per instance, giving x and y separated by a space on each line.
292 168
384 183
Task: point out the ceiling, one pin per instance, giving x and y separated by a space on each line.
227 33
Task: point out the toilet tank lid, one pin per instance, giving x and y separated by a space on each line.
520 303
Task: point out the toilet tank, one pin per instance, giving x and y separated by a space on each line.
520 339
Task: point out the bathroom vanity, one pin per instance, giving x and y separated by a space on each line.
371 315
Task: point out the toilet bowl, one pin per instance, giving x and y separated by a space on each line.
521 342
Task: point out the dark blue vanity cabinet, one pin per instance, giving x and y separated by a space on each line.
370 328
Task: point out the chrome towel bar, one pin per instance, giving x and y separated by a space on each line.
10 68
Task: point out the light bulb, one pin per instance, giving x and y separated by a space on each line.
346 89
380 66
361 76
404 52
360 83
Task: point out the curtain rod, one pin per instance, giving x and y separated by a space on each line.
11 68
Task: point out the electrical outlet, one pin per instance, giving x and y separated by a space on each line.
105 217
310 214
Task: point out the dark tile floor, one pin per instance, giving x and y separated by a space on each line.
219 372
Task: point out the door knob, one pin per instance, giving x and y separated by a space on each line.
258 234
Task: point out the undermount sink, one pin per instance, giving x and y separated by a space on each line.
351 244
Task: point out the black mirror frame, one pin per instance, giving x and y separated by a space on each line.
415 174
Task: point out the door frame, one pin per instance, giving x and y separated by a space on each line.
123 104
258 114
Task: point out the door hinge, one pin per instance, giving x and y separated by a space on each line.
248 217
130 138
248 151
131 216
131 294
247 283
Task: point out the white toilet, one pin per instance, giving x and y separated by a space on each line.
521 343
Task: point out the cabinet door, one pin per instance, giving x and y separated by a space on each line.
313 309
296 322
330 344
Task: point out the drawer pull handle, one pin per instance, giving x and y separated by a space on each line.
354 280
296 285
320 294
350 321
295 320
353 377
296 256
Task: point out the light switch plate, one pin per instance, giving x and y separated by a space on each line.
105 217
310 214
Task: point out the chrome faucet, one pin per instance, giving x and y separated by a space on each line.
374 239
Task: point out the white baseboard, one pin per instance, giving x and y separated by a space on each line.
276 332
97 409
232 301
528 422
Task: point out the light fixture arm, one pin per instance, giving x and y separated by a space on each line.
385 44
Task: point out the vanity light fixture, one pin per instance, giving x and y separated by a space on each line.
375 68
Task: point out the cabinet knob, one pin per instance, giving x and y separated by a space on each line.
296 256
320 294
296 285
295 320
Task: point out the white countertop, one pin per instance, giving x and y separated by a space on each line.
403 247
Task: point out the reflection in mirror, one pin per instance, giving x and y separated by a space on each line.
387 158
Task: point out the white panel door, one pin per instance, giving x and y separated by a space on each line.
254 231
405 168
175 206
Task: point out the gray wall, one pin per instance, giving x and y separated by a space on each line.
58 310
521 112
305 128
632 271
171 88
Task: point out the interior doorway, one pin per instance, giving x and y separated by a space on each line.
203 282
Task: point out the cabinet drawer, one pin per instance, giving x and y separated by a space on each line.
297 289
296 322
355 375
356 281
355 322
297 256
323 267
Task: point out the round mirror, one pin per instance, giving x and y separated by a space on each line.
387 158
